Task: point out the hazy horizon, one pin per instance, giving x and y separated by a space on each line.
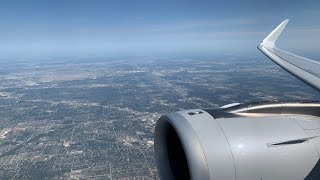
49 29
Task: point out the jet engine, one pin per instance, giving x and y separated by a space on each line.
258 141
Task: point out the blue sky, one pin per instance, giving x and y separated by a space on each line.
152 27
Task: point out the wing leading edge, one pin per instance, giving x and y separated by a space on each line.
303 68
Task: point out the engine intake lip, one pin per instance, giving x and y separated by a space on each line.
173 136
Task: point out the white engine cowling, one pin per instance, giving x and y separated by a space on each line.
192 144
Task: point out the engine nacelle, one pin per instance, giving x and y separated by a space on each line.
221 145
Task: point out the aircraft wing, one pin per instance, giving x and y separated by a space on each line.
254 141
303 68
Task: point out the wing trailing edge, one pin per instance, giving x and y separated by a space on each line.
303 68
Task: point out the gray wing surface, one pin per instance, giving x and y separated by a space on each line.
303 68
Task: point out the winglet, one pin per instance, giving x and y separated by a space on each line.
271 39
305 69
